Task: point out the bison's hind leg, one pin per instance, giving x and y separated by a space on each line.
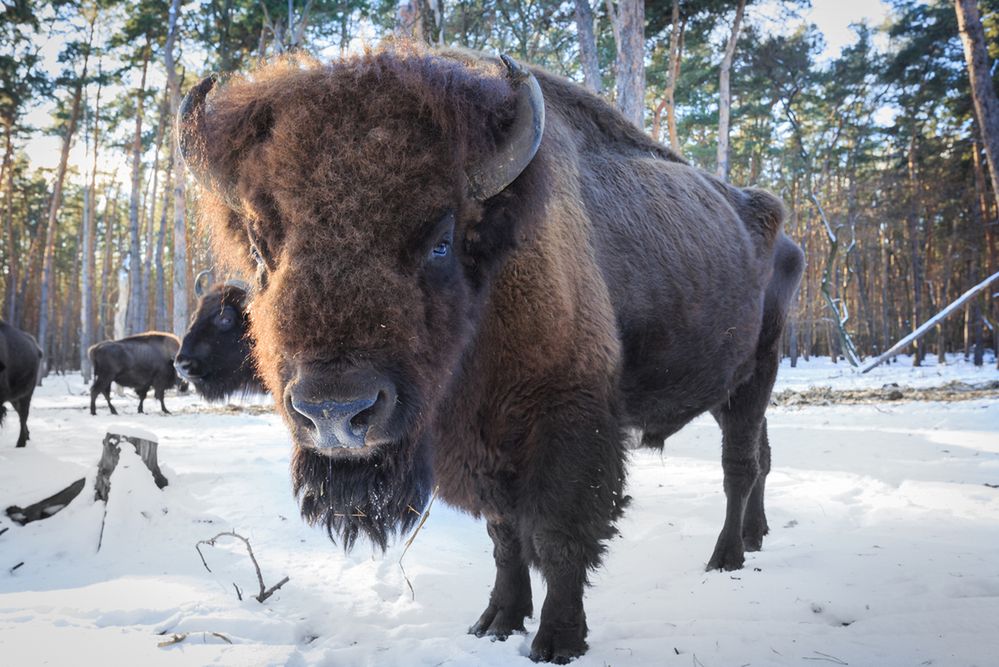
510 602
159 393
101 385
22 405
754 524
745 463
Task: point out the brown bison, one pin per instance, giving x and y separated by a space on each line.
215 353
141 361
476 277
20 358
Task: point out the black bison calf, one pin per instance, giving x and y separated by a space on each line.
141 361
474 277
20 357
215 353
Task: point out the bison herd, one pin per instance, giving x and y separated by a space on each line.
475 278
214 356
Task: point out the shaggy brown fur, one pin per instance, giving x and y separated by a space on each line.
610 286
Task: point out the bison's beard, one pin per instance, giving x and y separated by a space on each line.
214 388
377 495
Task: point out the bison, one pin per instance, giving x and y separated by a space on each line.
215 353
476 277
141 361
20 359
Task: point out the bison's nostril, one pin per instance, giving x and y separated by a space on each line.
337 423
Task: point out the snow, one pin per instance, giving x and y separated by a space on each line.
883 549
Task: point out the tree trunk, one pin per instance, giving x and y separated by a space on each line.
8 221
89 238
587 46
983 92
51 228
724 93
179 190
103 300
161 312
148 302
134 318
914 246
628 23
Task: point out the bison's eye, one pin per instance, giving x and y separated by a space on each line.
442 248
444 233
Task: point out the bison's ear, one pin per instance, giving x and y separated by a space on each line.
216 134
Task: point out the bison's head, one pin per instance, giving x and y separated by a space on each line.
374 197
215 352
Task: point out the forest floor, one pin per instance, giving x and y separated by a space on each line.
883 549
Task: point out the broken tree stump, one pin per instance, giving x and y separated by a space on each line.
43 509
144 446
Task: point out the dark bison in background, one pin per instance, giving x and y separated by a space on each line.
215 353
20 358
141 361
477 276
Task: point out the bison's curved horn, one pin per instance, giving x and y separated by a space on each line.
518 148
202 280
190 139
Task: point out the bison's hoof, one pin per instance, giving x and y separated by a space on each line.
498 623
752 534
727 557
558 645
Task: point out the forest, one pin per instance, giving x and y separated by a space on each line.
883 152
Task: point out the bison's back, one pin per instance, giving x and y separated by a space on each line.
135 361
685 257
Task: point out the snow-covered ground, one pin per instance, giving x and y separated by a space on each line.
884 547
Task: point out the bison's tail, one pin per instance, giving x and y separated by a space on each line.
3 413
766 211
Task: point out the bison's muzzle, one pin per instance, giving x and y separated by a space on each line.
353 412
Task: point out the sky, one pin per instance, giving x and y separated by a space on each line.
833 18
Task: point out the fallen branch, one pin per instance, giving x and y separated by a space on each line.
825 657
264 592
932 322
43 509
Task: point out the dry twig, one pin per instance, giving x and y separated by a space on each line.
264 592
409 542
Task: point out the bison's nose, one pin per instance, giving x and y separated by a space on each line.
347 419
187 367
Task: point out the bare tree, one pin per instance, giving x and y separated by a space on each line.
179 188
56 201
969 24
135 317
678 25
587 46
628 24
725 93
89 237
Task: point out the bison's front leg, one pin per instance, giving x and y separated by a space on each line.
510 602
571 500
